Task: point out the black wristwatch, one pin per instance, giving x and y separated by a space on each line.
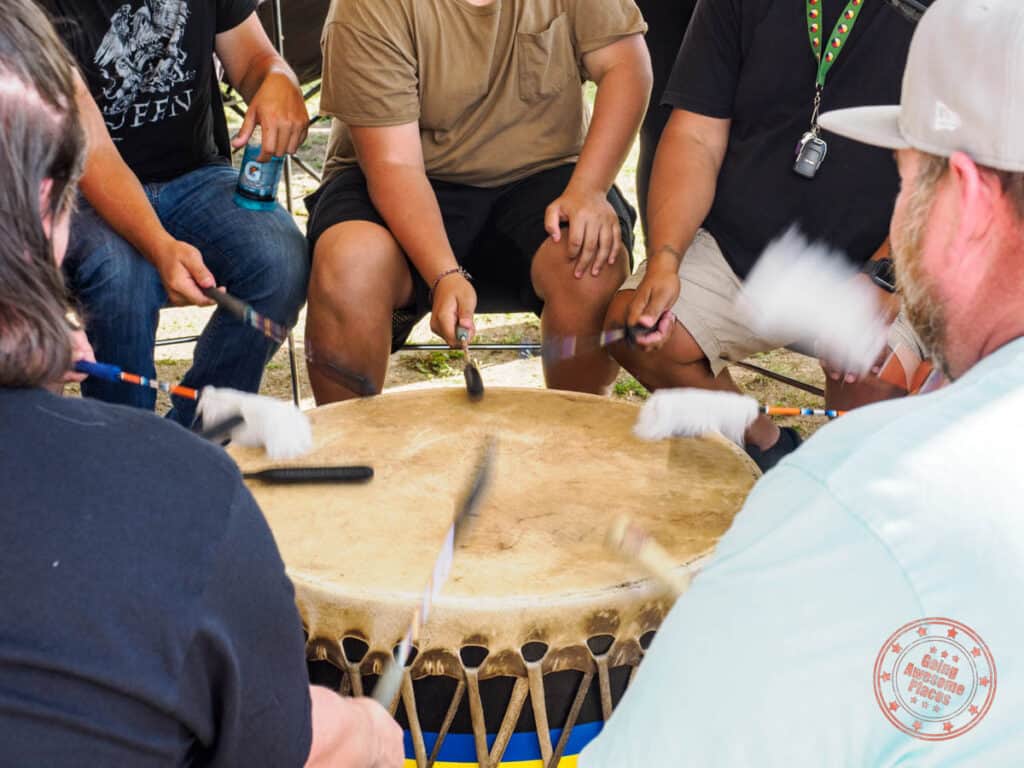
882 274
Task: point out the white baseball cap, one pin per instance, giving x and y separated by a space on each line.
963 88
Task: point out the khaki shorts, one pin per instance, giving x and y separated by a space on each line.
706 308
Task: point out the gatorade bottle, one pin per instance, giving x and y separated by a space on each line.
257 182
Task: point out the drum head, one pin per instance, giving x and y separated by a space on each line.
566 466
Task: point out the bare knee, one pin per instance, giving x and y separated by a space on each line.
615 317
359 264
555 281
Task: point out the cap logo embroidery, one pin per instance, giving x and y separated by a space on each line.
945 118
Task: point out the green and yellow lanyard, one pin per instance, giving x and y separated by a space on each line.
832 47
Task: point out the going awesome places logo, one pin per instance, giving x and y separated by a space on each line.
935 679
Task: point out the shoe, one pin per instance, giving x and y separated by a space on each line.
789 440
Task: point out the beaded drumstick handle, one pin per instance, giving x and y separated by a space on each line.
245 312
109 372
627 539
390 681
779 410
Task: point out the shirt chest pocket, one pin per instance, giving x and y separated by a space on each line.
547 62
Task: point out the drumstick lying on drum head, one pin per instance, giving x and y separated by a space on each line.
627 539
300 475
390 681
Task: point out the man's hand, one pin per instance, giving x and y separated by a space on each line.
654 298
454 305
352 733
384 736
890 306
81 349
594 235
183 273
279 110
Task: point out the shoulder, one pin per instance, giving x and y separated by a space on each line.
120 446
370 13
902 466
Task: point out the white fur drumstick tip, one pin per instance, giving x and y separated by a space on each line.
281 428
694 412
800 292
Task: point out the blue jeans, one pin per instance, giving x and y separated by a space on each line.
259 256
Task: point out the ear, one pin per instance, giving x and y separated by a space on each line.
972 195
976 193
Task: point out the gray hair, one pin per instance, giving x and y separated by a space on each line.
41 141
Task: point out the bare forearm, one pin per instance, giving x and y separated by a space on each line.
258 70
682 190
116 194
112 188
403 196
619 109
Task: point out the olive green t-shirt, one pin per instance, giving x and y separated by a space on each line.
496 89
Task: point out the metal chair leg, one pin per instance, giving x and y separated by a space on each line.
294 371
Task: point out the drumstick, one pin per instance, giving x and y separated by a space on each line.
474 381
292 475
356 382
113 373
781 410
248 315
565 347
627 539
253 420
390 681
689 412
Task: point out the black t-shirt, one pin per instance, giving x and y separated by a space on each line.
147 617
149 66
751 61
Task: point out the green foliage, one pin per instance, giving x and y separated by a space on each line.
628 388
437 364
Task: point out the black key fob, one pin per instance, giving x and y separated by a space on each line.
810 154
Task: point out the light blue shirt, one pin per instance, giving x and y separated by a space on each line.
905 510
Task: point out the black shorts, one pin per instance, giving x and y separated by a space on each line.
494 232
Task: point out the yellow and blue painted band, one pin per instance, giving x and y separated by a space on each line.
523 751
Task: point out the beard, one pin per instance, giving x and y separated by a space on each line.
921 300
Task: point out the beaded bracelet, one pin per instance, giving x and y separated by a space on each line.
453 271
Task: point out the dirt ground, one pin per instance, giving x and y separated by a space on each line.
443 368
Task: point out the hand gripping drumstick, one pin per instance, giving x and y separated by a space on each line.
627 539
244 312
388 684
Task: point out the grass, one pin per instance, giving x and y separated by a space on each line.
434 365
628 388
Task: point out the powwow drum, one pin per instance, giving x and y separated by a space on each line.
538 630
